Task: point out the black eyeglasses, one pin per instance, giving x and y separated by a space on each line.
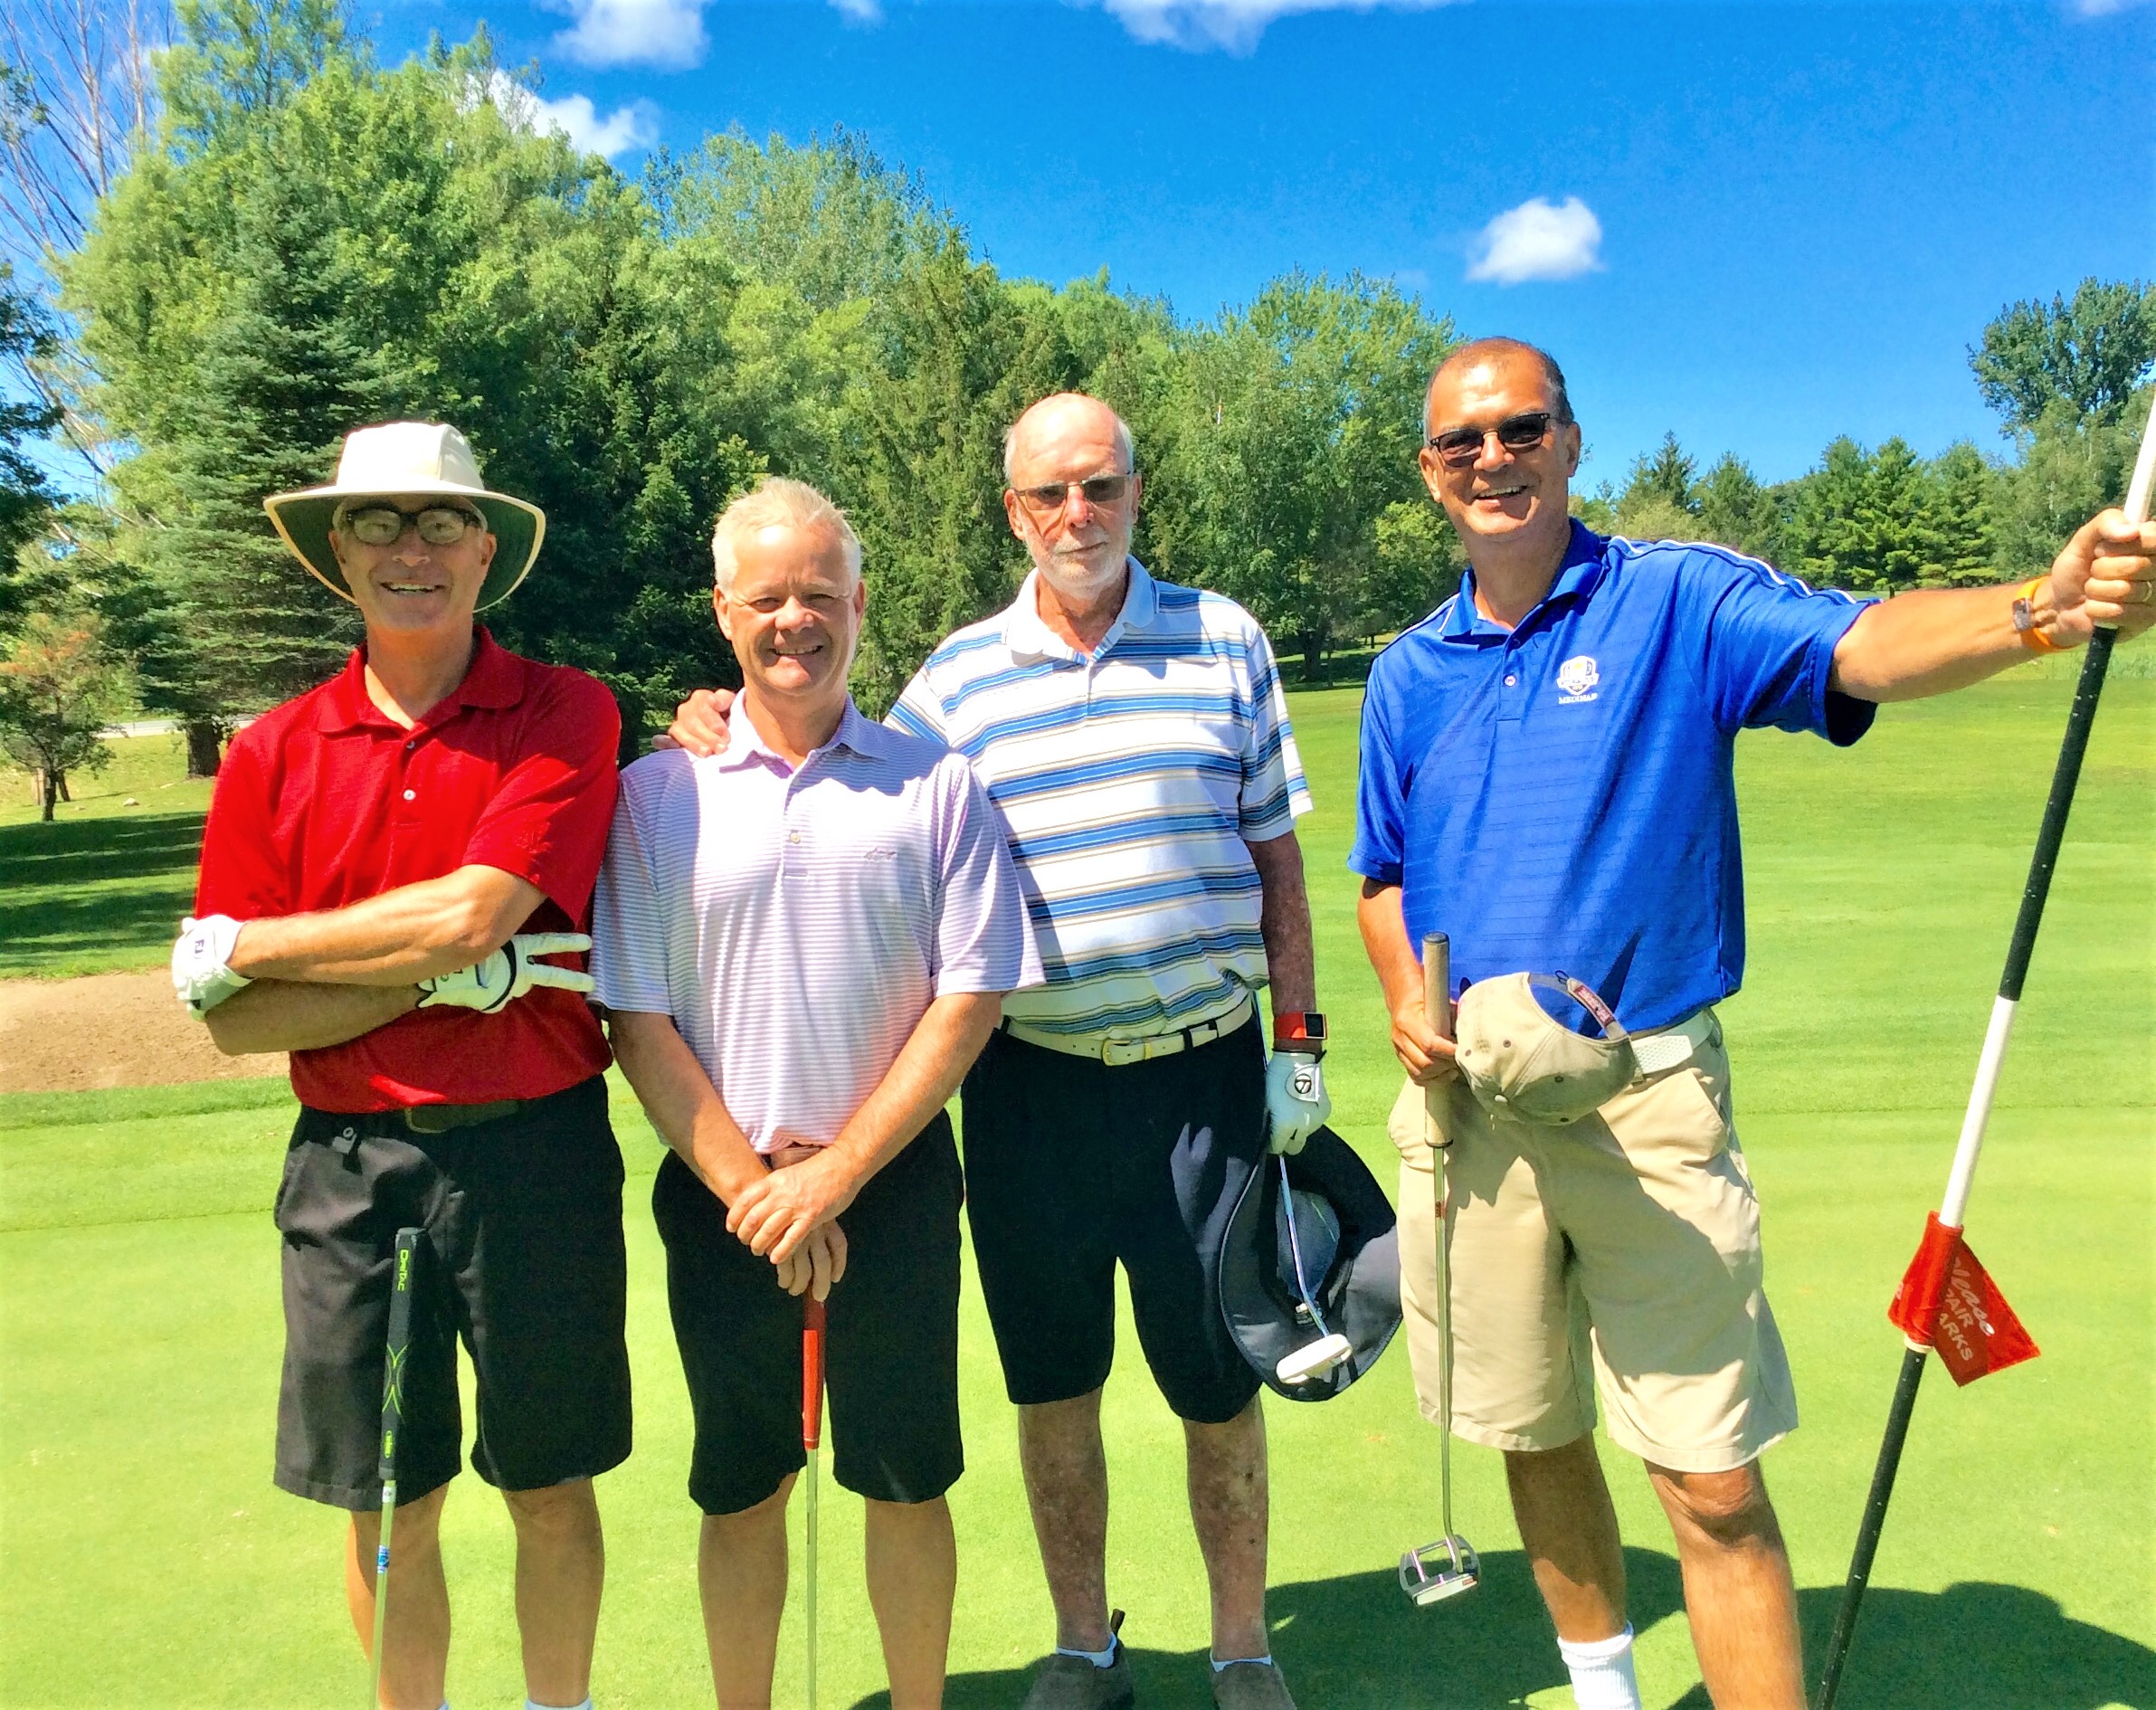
384 525
1460 446
1099 489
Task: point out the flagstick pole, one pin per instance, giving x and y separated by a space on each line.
1954 1207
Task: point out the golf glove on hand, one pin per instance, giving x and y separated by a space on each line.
199 976
1296 1105
508 973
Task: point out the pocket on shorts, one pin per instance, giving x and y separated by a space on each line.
1408 1124
1676 1119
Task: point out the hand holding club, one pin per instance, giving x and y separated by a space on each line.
494 982
777 1214
2105 574
817 1267
1424 1053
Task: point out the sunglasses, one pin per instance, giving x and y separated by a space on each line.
1460 446
1100 489
384 525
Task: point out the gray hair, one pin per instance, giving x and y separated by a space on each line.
779 500
1125 447
1560 403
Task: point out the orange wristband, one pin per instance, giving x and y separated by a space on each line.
2025 624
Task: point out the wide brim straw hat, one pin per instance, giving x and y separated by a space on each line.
418 458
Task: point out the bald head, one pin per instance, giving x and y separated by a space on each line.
1482 353
1065 416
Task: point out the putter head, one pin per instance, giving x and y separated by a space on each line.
1439 1571
1313 1359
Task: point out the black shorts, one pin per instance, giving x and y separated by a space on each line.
524 1259
1071 1165
891 1361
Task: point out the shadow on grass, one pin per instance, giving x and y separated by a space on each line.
80 888
81 851
1977 1646
1354 1643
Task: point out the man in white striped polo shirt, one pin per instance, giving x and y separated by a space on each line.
803 943
1135 740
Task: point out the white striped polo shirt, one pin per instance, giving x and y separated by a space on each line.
796 924
1129 780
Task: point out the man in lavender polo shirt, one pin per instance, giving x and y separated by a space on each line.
803 943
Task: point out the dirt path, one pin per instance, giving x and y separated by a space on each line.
107 1030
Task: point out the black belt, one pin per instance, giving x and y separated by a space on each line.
441 1118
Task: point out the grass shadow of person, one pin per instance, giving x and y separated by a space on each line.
1355 1642
1978 1646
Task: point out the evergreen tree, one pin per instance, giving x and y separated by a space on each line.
1737 512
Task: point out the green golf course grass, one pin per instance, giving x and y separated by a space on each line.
146 1559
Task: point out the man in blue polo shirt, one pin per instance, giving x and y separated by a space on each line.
1547 779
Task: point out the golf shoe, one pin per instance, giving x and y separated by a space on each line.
1250 1686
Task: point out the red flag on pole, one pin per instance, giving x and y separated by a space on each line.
1948 1303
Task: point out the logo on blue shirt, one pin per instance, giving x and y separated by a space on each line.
1576 679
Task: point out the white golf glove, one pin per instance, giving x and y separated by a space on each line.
1296 1103
199 977
508 973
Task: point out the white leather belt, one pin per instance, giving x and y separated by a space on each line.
1115 1052
1669 1047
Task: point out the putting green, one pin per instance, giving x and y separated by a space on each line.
146 1559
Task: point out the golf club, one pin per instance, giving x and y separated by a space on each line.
393 1419
1313 1359
1445 1569
811 1443
1953 1208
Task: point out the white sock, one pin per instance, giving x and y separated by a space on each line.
1602 1671
1099 1659
533 1703
1218 1665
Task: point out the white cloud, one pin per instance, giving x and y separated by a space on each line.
626 127
668 33
1537 240
2106 8
860 11
1233 25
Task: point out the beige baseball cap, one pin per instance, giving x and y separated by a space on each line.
1520 1062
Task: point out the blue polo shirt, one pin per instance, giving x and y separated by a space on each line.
1560 796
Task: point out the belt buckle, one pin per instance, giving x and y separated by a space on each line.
1117 1053
414 1115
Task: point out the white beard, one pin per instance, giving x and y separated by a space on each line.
1075 582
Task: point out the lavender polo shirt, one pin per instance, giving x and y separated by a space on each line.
796 924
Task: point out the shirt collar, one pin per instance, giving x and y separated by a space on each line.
1578 571
494 679
746 745
1027 635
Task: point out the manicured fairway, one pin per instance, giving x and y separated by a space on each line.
145 1559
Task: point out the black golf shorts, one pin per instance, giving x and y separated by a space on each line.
891 1359
524 1259
1072 1165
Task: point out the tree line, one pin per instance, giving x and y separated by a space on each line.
302 239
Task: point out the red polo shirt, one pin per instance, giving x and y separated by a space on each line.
326 801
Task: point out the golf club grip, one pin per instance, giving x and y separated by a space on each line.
811 1373
1437 983
406 1262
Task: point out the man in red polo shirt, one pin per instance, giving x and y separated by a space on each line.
387 860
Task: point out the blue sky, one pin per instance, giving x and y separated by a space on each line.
1761 226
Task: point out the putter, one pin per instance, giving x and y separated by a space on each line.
393 1420
1313 1359
811 1442
1445 1569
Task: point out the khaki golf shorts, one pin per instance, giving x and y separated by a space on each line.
1620 1252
